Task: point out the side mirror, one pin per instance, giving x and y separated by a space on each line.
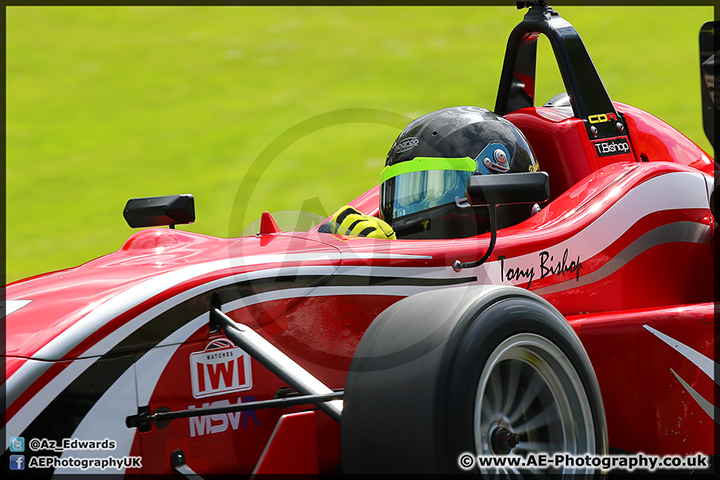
504 189
508 188
169 211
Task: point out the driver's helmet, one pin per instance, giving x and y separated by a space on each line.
426 172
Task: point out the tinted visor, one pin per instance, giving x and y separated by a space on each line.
415 192
423 183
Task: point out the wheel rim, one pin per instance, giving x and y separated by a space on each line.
530 399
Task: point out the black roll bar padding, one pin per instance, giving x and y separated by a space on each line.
582 82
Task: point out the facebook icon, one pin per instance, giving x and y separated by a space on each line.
17 462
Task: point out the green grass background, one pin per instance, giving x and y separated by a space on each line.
108 103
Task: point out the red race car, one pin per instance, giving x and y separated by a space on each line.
585 328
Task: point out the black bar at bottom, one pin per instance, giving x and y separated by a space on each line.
164 416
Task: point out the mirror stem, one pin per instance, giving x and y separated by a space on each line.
457 266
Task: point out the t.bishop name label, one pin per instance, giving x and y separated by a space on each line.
615 146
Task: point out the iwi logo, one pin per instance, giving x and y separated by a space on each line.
219 369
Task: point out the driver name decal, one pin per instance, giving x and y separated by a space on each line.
547 265
219 369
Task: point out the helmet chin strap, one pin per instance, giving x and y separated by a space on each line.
457 265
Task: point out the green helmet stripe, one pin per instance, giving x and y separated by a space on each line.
421 164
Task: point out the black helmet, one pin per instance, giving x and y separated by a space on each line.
428 166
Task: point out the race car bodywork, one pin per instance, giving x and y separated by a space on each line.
623 251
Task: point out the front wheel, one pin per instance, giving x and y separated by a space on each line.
446 376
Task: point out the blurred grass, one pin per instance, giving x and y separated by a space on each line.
108 103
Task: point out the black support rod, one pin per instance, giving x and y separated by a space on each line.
458 265
162 416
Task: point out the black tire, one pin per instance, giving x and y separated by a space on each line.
427 362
